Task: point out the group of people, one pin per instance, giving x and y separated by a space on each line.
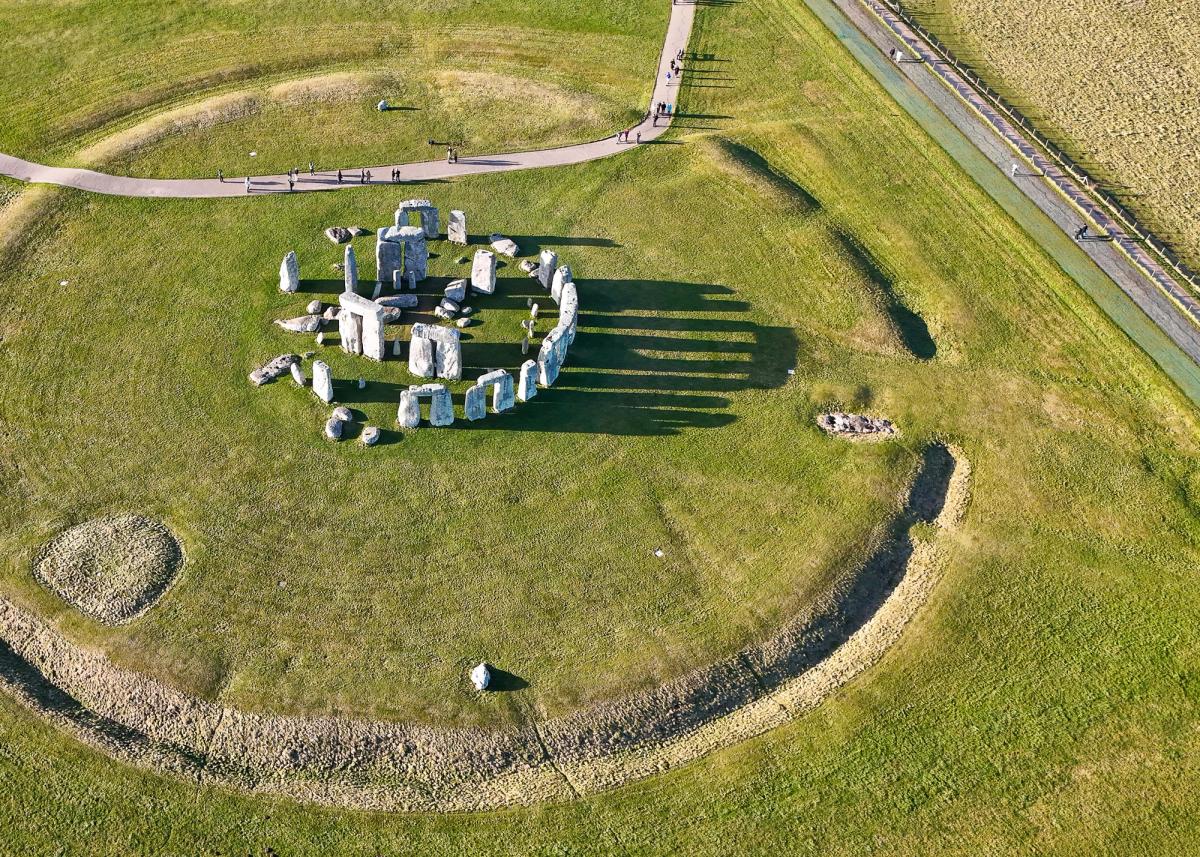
451 155
663 108
676 70
623 136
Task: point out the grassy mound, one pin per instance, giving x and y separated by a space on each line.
113 569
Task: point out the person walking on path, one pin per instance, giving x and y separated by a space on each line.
362 176
220 175
668 78
368 177
311 170
639 138
1081 232
247 184
339 176
1013 171
291 184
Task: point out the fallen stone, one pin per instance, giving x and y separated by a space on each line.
302 324
449 305
358 231
370 436
481 677
483 272
467 310
406 301
313 308
320 339
456 291
289 273
505 246
392 314
443 313
338 234
342 413
333 428
462 322
331 313
273 370
529 267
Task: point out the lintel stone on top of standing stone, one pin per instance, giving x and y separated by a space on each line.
426 210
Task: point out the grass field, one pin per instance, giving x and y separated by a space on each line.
211 82
1117 86
1045 699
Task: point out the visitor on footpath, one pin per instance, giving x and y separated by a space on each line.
311 170
247 184
220 175
291 184
339 176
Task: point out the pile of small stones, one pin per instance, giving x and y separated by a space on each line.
855 425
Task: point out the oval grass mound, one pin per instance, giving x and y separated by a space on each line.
112 569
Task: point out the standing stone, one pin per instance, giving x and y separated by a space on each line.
441 344
396 346
475 403
322 382
389 258
561 277
483 272
370 319
420 356
525 344
527 386
548 358
350 331
298 375
409 413
351 269
568 311
289 273
441 409
456 230
448 360
547 265
416 252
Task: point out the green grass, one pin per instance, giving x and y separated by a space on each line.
555 72
1044 701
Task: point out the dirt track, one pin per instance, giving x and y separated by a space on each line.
393 766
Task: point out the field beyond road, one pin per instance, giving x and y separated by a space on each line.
1116 85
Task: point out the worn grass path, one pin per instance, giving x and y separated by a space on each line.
679 29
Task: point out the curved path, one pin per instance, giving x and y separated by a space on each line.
679 29
395 766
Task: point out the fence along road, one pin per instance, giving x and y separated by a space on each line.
1136 301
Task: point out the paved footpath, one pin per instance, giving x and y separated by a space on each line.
679 30
1173 309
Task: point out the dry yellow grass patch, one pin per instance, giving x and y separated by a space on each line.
340 86
470 90
1117 84
189 117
